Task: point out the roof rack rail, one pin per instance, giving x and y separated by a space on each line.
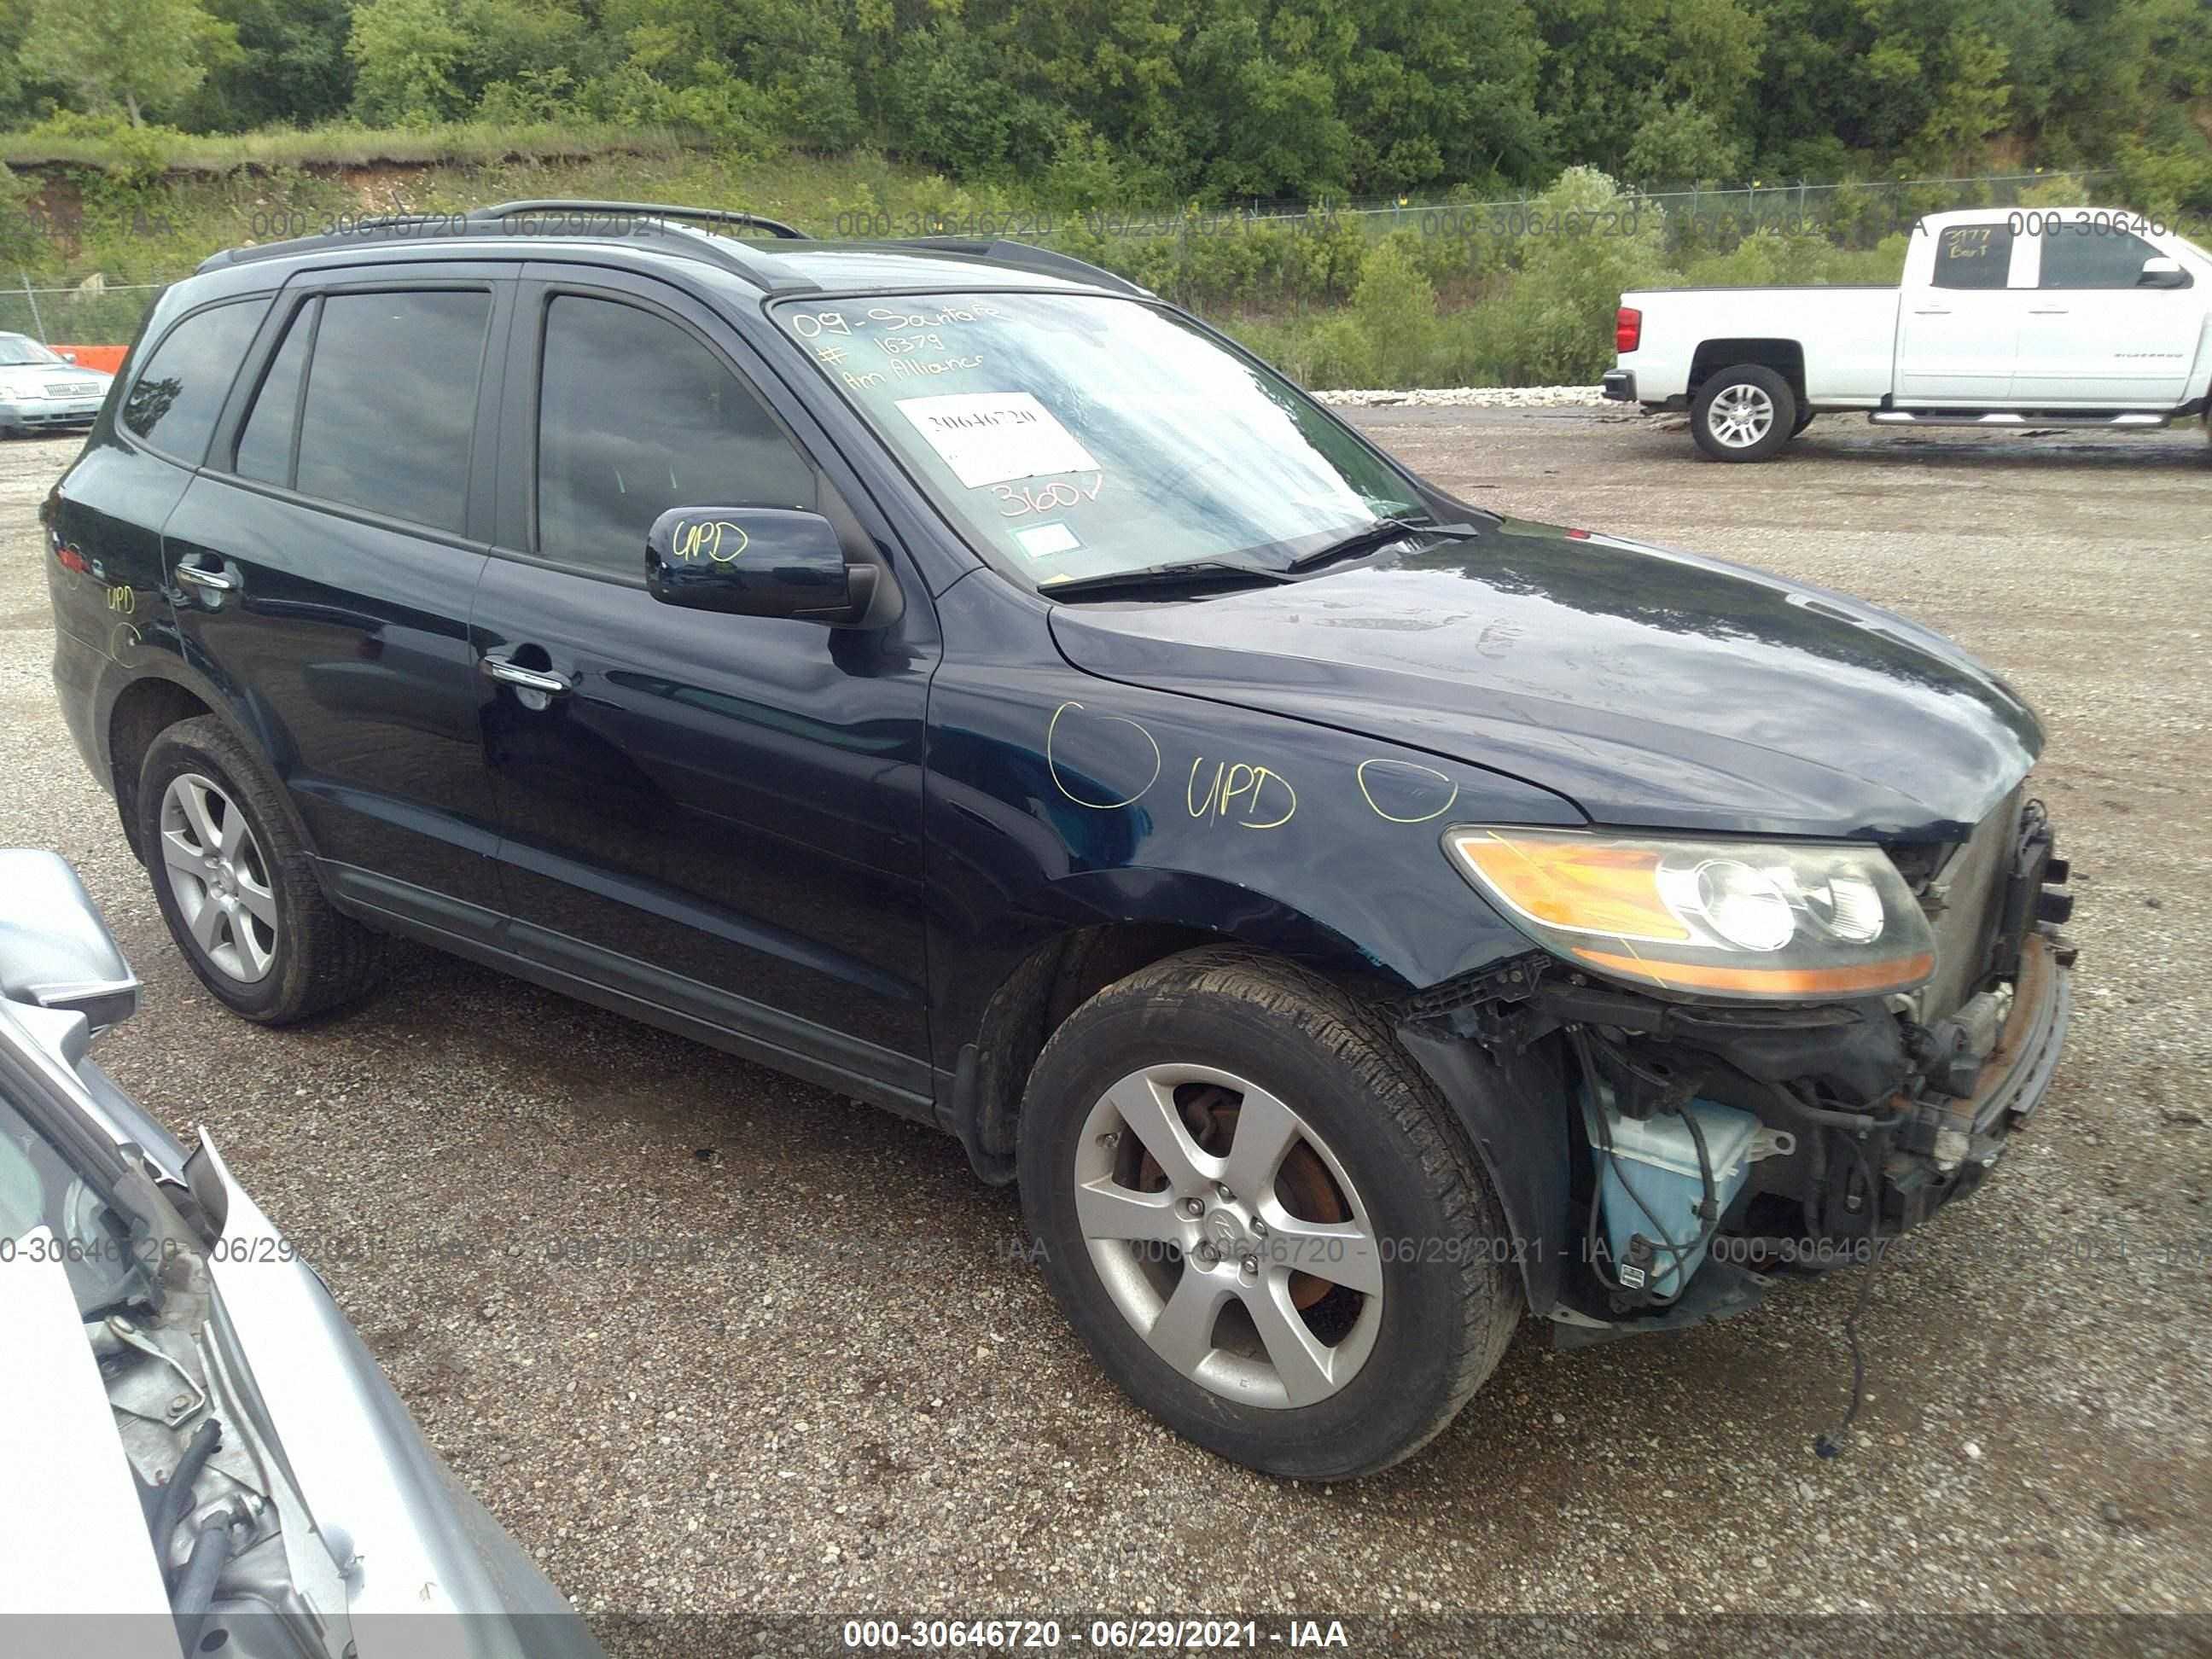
775 228
1030 257
723 250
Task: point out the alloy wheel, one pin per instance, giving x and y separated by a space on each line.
1741 414
219 878
1229 1236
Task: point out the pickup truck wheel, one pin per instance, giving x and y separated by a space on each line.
234 884
1262 1219
1746 412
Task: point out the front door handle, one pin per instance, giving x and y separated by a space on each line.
2047 311
1931 311
214 581
528 679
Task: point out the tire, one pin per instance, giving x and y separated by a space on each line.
267 943
1373 1153
1745 412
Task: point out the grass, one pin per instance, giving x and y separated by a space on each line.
464 144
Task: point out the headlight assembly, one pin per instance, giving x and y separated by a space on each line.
1773 920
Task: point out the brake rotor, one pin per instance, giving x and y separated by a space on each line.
1304 1186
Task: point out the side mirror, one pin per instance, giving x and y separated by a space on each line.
754 561
2162 273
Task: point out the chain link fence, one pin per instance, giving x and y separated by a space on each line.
92 313
1855 215
1692 220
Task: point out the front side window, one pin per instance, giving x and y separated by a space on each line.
1973 256
636 415
2089 255
173 400
390 406
1075 436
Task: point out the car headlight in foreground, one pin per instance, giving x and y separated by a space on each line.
1775 921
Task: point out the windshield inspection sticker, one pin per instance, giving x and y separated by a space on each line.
989 437
1042 541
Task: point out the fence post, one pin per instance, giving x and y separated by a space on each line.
37 327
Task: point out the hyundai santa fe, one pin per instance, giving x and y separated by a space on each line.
943 672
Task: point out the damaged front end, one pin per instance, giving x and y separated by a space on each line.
1688 1147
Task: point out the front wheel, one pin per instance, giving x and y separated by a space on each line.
1746 412
1262 1219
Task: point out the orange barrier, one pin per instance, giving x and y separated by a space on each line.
107 359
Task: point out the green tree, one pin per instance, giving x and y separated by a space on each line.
129 56
290 67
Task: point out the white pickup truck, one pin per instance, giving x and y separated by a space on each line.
2005 316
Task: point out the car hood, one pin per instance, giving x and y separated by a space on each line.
1653 688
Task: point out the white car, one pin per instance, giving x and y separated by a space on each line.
2005 316
205 1457
40 388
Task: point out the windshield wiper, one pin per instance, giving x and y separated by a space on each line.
1195 572
1381 533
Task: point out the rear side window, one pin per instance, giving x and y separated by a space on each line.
2092 256
636 416
176 398
391 403
265 447
1973 256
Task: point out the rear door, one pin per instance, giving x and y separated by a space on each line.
717 818
323 564
1958 329
2096 336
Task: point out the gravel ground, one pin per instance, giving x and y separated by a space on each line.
707 1340
1474 397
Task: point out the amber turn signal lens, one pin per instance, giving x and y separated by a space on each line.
1585 886
1855 981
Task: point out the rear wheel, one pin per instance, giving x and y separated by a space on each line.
1745 412
1262 1219
234 883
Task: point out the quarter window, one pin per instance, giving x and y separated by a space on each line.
265 447
1972 256
174 399
636 416
390 405
2092 256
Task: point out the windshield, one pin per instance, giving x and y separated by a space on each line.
1075 436
18 349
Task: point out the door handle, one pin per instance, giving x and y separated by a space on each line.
1931 311
214 581
2048 311
528 679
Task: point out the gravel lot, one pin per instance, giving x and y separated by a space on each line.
839 1389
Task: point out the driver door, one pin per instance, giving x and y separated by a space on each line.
2096 336
714 821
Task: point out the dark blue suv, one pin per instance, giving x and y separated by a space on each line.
945 672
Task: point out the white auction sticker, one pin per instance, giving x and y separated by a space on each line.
1042 541
994 437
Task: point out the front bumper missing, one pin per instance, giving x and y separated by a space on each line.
2010 1086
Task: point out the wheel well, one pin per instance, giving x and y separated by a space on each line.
146 709
1051 983
1786 357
